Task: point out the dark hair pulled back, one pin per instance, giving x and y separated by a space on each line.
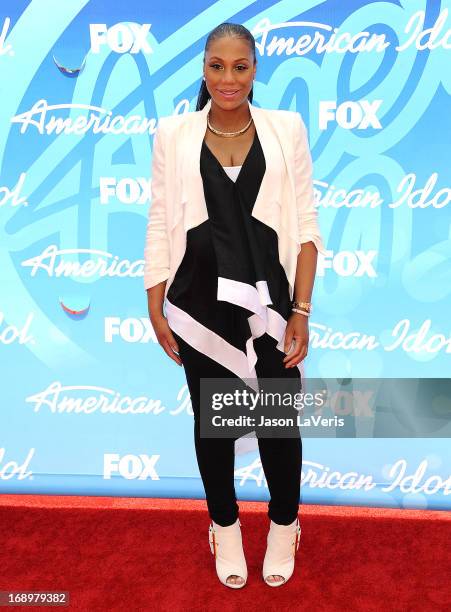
224 29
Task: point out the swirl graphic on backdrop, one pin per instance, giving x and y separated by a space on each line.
62 177
52 203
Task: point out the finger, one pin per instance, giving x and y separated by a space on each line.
168 350
296 349
172 342
295 359
288 340
295 362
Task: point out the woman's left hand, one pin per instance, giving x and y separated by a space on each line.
297 330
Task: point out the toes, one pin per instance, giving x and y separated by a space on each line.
235 579
275 578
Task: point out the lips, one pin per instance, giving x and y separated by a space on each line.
228 93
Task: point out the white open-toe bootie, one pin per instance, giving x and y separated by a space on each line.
283 542
227 547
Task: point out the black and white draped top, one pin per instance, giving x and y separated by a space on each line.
230 287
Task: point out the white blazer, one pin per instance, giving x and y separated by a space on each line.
285 200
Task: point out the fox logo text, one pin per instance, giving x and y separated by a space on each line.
120 38
129 330
127 190
348 263
131 467
349 115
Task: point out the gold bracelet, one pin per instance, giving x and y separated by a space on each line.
304 305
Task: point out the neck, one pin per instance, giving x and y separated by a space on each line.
229 120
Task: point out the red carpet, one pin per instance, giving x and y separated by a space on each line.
152 554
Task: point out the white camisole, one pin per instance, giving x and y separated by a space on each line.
232 171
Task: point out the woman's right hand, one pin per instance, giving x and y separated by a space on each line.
166 338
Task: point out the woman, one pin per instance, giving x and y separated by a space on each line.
232 202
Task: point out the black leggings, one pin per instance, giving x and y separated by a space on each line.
281 458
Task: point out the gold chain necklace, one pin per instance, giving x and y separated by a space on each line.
227 134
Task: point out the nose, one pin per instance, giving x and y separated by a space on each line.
228 77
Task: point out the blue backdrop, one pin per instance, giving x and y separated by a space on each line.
90 403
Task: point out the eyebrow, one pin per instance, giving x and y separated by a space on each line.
238 60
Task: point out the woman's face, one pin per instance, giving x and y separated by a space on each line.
229 67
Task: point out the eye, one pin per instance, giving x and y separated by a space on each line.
241 67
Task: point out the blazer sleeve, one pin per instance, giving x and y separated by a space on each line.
156 250
308 229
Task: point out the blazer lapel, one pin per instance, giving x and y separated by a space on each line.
267 203
193 198
269 195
